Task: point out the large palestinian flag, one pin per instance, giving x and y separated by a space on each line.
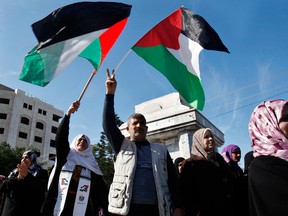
173 47
86 29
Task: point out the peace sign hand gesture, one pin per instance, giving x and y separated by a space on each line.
111 82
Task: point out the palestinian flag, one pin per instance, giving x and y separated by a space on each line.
85 29
173 47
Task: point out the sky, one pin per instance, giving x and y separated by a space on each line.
255 32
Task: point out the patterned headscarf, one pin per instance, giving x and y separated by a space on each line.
227 152
198 144
84 158
266 136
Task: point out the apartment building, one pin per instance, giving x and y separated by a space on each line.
26 121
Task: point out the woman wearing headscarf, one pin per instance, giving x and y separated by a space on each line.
268 172
76 185
25 187
232 155
206 180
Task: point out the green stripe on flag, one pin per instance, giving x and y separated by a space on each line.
40 67
188 85
33 68
93 53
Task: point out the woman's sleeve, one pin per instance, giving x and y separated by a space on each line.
61 139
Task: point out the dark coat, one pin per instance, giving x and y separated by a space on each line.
240 195
207 189
25 196
268 190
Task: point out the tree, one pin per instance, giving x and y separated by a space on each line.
105 155
9 158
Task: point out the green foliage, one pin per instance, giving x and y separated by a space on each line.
9 158
105 156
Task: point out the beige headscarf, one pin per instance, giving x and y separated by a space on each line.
198 145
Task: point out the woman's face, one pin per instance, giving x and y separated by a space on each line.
283 123
26 160
209 144
82 144
236 155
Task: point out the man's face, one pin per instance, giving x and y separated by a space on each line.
137 129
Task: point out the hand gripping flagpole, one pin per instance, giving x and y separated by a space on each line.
94 72
87 84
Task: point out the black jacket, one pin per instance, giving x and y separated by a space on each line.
25 196
207 188
268 190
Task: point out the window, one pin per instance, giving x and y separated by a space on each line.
54 129
27 106
3 115
4 101
56 117
38 139
40 125
40 111
25 120
52 143
22 135
1 130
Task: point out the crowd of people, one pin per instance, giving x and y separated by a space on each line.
146 182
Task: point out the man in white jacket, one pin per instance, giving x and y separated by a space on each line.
145 180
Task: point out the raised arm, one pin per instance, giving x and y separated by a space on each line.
62 135
114 135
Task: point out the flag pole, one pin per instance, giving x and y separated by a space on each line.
122 60
86 86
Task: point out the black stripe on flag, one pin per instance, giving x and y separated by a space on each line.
78 19
198 29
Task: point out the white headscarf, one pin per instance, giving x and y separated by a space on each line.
84 158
